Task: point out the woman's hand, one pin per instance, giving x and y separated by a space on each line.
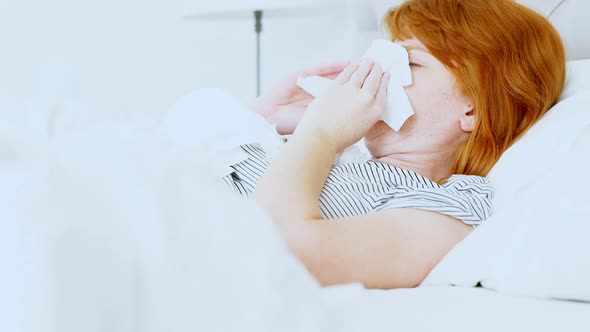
349 109
285 104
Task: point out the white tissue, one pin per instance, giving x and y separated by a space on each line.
393 58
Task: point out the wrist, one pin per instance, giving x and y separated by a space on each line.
316 139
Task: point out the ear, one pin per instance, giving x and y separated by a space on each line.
467 120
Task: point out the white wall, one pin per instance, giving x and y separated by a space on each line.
140 55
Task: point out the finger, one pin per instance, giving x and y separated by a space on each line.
346 74
326 69
371 85
381 96
358 78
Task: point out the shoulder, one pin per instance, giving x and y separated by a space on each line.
473 184
462 179
467 198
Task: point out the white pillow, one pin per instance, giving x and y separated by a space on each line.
545 251
577 80
548 141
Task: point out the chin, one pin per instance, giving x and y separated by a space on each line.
375 149
381 139
378 130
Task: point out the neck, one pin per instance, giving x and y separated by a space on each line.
436 166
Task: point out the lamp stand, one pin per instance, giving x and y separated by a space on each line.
258 29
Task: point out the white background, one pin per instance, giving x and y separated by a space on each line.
140 55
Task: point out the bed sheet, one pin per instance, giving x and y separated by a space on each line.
459 309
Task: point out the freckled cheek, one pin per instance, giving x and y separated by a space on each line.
429 99
419 97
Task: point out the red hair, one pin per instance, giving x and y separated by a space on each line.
507 59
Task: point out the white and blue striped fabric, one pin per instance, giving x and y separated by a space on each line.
353 189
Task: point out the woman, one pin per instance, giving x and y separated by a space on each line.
484 72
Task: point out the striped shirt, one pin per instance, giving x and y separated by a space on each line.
353 189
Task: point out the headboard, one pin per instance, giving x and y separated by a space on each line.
570 18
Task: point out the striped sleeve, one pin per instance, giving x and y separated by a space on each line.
246 174
467 198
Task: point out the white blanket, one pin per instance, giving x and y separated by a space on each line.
110 225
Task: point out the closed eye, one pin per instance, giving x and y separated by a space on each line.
415 65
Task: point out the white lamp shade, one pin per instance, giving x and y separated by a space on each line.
202 8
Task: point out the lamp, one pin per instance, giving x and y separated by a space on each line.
240 8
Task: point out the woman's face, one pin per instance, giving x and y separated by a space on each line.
442 120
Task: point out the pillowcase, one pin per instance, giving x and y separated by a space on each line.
576 80
546 251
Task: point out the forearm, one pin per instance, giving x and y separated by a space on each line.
290 189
